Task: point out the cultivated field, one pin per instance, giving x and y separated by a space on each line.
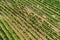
29 20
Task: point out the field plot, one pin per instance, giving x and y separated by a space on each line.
29 20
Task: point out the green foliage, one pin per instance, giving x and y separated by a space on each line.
28 21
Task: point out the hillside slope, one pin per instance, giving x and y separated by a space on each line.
29 20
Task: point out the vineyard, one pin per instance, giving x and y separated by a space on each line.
29 20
